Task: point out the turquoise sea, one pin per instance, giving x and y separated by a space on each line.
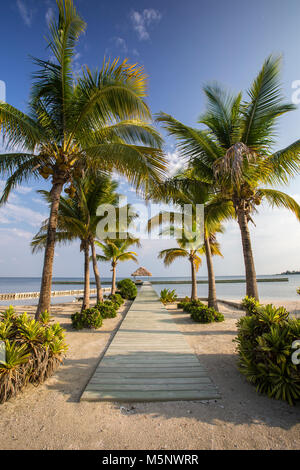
267 290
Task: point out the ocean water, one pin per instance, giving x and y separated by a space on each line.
267 290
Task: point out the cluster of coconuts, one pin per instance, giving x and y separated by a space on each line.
45 172
71 191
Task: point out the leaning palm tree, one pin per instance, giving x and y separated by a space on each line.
115 251
98 120
184 189
191 254
235 152
78 219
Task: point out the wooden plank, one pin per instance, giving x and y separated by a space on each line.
142 396
166 375
116 369
149 360
150 387
150 381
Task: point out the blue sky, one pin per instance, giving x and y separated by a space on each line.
183 45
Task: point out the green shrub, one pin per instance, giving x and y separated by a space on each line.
188 305
33 351
107 309
250 304
204 314
168 296
117 299
264 344
183 302
127 289
89 318
45 318
200 312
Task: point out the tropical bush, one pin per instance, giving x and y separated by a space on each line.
117 299
200 312
33 351
264 345
127 289
250 304
188 304
168 296
107 309
93 317
204 314
89 318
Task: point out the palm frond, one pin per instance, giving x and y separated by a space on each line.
264 106
171 254
279 199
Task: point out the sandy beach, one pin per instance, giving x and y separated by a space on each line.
51 416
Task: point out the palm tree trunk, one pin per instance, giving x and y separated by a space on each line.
113 281
46 283
212 294
251 283
96 273
86 294
194 281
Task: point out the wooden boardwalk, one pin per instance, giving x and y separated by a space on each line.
149 359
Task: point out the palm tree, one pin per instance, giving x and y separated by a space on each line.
193 255
99 120
212 248
115 251
78 219
234 152
184 189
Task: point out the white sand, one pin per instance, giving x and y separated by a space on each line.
50 416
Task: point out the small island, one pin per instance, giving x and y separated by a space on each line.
290 272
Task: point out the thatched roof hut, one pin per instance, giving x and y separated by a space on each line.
141 272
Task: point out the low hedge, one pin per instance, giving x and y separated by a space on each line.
89 318
107 309
204 314
127 289
33 351
93 317
116 299
264 345
200 312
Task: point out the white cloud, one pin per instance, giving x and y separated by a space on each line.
19 189
142 20
49 15
121 44
175 163
25 12
8 234
23 190
12 213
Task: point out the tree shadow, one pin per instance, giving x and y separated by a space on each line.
239 403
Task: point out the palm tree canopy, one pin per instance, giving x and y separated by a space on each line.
77 216
117 250
171 254
234 153
97 120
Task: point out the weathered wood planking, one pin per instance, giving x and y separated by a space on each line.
149 360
